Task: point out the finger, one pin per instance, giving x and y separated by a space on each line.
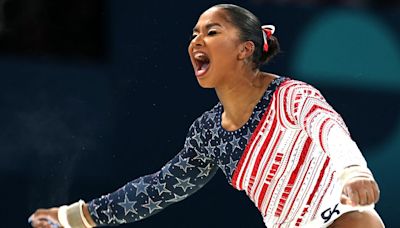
353 195
376 192
44 222
40 224
40 214
48 224
370 196
373 192
362 196
344 199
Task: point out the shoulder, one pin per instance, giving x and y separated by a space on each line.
291 97
284 85
208 119
295 89
293 84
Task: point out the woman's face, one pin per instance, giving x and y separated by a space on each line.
214 48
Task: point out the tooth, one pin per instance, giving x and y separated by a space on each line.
199 55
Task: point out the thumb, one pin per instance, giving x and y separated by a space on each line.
344 199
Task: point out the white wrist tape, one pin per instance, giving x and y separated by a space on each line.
72 216
352 172
84 220
62 216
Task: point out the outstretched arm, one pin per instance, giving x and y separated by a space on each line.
147 195
183 175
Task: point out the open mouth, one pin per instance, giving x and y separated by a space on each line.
202 63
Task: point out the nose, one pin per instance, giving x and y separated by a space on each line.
197 40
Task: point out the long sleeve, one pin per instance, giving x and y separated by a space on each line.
324 125
186 173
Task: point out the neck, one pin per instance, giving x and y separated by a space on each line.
240 96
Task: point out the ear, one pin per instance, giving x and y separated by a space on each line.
246 50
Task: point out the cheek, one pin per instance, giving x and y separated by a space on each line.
225 47
225 53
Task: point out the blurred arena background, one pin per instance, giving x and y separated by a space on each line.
96 93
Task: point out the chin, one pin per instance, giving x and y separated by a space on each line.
205 85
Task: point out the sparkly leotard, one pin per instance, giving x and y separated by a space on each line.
285 158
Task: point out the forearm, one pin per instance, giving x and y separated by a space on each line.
183 175
147 195
343 151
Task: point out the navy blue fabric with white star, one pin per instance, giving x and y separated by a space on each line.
208 146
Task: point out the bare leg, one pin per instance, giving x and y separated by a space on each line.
356 219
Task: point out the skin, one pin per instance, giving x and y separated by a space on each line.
40 217
239 87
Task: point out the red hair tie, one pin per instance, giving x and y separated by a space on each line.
267 30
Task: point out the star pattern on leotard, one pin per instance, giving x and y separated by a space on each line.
202 157
108 212
141 187
214 133
222 149
94 211
184 184
204 171
207 147
177 198
118 221
235 143
184 164
161 188
128 205
153 205
166 170
195 137
232 165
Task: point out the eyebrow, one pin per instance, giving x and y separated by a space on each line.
208 26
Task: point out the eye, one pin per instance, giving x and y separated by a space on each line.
212 32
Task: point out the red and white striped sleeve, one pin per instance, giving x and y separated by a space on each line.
324 125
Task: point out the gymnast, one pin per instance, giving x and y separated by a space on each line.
274 137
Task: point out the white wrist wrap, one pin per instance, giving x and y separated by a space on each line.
62 216
72 216
352 172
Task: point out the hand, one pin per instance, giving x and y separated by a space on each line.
45 218
360 191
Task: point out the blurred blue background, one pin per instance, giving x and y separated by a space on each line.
96 93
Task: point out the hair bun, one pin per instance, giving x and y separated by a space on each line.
273 49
